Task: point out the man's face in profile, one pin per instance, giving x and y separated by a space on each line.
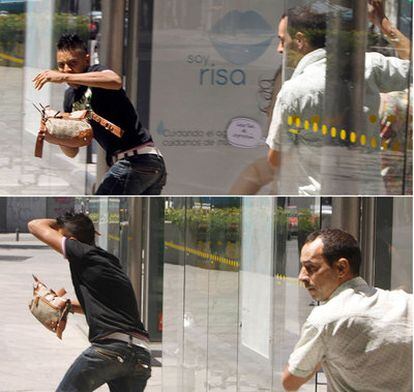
72 61
318 277
284 38
287 45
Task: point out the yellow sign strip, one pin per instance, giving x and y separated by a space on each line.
11 58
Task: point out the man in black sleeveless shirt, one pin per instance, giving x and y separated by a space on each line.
119 354
136 166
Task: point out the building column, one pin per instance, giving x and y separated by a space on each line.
111 54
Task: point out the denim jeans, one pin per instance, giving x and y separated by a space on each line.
124 368
138 175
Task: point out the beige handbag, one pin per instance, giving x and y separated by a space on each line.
69 129
50 307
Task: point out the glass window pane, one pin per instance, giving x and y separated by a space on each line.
173 295
296 218
217 56
29 32
341 121
256 286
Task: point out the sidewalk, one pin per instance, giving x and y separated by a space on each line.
33 358
20 172
20 241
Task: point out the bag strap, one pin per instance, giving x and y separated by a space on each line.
38 153
63 319
114 129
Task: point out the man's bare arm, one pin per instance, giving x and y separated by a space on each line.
103 79
398 40
46 230
76 306
292 383
273 158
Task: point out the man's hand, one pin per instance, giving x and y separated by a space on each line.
48 76
76 306
273 157
399 41
376 12
292 383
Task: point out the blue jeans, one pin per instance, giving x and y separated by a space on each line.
124 368
138 175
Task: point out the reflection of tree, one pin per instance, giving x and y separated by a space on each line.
216 224
212 230
307 223
13 30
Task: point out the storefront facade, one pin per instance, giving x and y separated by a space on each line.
204 79
232 304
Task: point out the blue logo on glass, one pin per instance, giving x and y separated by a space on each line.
241 37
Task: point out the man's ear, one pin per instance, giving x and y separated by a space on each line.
343 267
87 59
300 40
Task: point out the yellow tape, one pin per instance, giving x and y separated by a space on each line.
11 58
289 279
203 255
224 260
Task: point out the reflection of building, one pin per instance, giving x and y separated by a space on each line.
15 212
75 6
151 50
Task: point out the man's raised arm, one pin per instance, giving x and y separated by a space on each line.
106 79
399 41
47 231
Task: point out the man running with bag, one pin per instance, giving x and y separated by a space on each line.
119 354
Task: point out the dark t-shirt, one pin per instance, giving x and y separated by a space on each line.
114 106
103 290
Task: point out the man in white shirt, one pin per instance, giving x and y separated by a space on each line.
360 335
299 136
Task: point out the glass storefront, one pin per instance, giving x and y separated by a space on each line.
232 304
29 31
204 78
343 118
216 277
221 57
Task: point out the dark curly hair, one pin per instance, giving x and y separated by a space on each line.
69 41
79 225
309 22
336 244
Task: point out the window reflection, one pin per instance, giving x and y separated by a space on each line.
236 262
233 327
340 120
28 33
